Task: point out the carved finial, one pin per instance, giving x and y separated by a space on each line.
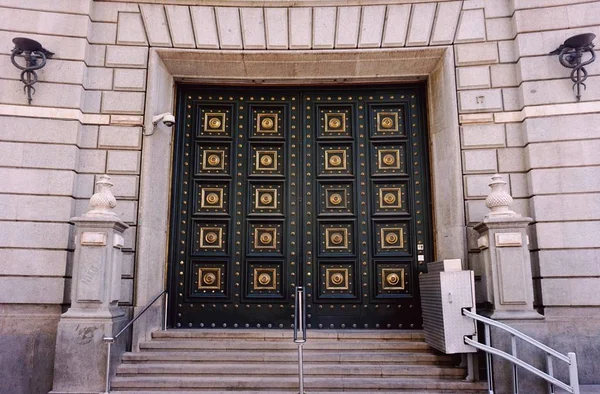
499 199
103 201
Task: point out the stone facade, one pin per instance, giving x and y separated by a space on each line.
494 92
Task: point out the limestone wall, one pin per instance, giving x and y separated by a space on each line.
87 114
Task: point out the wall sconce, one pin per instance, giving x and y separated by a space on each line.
570 55
35 58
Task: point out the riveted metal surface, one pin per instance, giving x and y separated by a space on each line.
278 187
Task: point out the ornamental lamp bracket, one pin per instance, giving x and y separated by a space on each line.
570 55
35 57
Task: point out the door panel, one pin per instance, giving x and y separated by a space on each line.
277 188
233 253
367 150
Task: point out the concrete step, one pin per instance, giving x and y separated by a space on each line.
263 383
265 361
346 357
404 335
267 345
477 389
269 369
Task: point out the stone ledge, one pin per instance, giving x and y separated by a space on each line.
53 113
547 110
275 3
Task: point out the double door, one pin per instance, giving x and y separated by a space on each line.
279 188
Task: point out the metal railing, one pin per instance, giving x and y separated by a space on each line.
300 332
570 358
111 340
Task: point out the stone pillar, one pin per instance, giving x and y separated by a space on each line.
503 243
80 361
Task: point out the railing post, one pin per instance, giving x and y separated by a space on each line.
109 341
550 372
515 372
488 359
165 310
300 333
573 374
95 291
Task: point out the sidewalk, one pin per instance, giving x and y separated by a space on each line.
590 389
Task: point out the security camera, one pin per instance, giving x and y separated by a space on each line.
167 118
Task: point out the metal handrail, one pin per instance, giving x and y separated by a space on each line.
110 340
570 358
516 333
300 332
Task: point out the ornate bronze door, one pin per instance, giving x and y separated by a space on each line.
277 188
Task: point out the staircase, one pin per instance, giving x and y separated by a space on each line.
265 361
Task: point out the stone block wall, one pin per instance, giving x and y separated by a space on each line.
51 151
517 114
539 141
82 123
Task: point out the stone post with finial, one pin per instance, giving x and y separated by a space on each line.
503 242
95 290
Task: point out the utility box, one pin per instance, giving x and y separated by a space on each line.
445 290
